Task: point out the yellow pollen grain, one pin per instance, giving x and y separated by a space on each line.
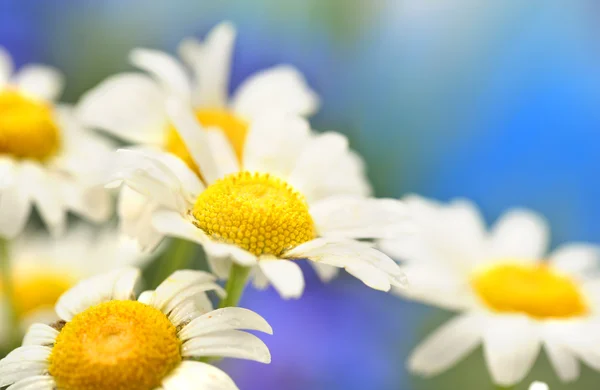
117 345
234 128
27 127
536 290
257 212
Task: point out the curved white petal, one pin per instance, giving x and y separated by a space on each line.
41 81
166 69
228 318
325 272
191 375
40 334
176 283
510 346
274 143
285 276
449 344
281 88
222 151
220 266
130 106
23 362
228 343
231 252
37 382
172 224
211 63
356 217
519 234
563 361
6 66
118 285
576 259
15 201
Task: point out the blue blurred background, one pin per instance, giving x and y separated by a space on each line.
497 101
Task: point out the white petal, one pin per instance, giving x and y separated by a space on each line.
281 88
193 307
580 338
538 386
563 361
325 272
448 345
510 346
118 284
228 318
191 375
194 137
15 205
211 63
38 382
176 283
23 362
220 266
357 217
40 334
130 106
166 69
519 234
274 144
369 265
231 252
47 197
41 81
286 276
222 151
576 259
229 343
172 224
6 66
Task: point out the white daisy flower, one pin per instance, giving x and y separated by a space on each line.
109 341
131 106
513 296
47 158
43 268
287 199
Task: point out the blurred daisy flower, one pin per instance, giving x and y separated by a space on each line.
47 158
43 268
538 386
514 297
293 195
107 340
131 106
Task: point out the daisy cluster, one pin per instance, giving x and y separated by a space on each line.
244 177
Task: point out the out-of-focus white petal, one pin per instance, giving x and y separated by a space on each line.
228 343
577 259
6 67
325 272
211 64
510 346
15 202
538 386
223 153
361 218
231 252
47 197
519 234
447 345
563 361
285 275
130 106
274 144
228 318
24 362
281 88
166 69
118 285
40 334
41 81
191 375
172 224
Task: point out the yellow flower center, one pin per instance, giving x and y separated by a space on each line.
27 127
117 345
37 289
536 290
256 212
234 128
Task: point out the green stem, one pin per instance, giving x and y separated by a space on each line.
235 285
8 290
178 256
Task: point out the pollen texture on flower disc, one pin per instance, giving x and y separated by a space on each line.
257 212
27 127
234 128
117 345
536 290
